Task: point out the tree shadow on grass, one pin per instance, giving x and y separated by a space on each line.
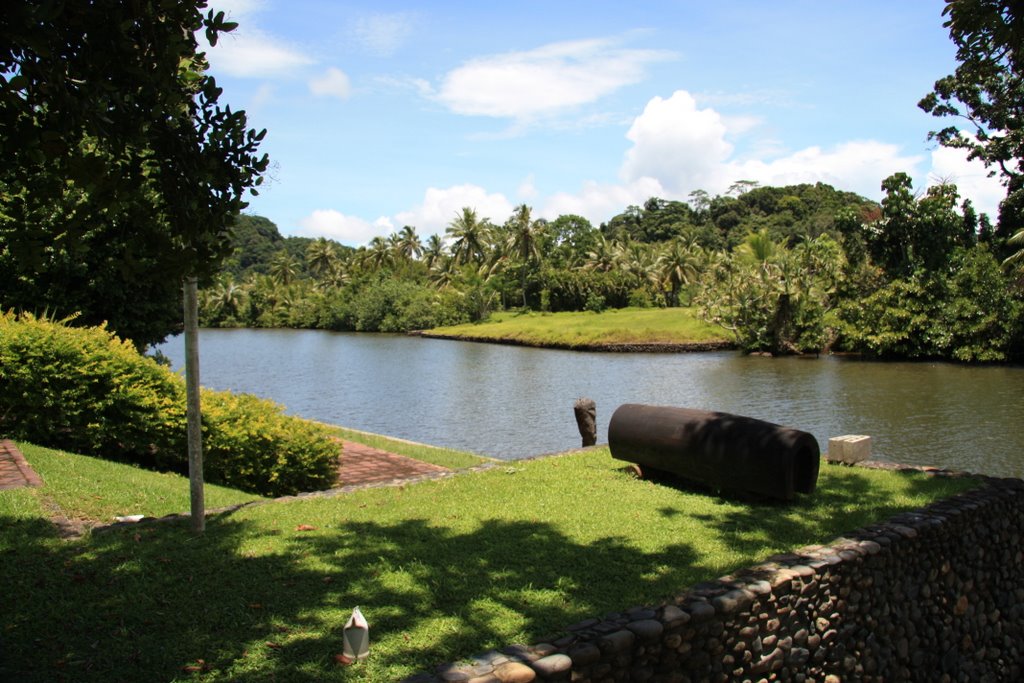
845 499
257 599
255 603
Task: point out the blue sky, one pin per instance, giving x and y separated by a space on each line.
384 114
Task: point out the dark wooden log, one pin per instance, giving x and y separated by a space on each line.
720 450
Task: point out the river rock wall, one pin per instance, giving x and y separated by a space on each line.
931 595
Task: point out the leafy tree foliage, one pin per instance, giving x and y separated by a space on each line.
987 92
987 88
117 157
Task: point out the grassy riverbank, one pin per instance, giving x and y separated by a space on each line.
441 569
613 329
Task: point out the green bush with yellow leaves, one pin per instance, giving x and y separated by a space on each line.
82 389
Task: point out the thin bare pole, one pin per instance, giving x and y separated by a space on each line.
195 432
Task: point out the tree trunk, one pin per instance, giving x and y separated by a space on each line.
194 415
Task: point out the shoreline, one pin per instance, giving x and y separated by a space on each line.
609 347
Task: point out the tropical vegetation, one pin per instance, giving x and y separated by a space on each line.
794 269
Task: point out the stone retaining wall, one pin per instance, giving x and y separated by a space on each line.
931 595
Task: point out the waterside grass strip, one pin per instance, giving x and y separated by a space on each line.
622 330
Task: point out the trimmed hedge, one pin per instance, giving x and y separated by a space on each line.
82 389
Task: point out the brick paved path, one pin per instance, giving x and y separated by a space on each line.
359 465
15 472
365 465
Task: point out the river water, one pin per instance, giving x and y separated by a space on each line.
512 402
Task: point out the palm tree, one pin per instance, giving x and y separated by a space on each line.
408 244
523 243
758 247
677 266
337 275
433 251
470 235
379 252
321 255
636 260
284 268
602 257
1016 259
443 273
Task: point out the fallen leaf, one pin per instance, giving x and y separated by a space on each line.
344 660
328 579
273 646
305 527
255 605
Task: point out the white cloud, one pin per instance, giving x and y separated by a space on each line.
383 34
597 202
349 230
441 206
686 148
970 177
333 83
527 188
858 166
253 53
680 145
544 81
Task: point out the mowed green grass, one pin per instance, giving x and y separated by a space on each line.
98 490
442 570
615 326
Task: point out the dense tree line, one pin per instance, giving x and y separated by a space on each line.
784 269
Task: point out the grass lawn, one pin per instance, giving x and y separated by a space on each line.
614 326
442 569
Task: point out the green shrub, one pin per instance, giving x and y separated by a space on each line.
250 444
81 389
84 390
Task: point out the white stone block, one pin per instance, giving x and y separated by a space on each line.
849 449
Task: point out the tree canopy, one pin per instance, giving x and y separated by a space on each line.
987 88
122 171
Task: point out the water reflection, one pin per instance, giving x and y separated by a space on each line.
514 402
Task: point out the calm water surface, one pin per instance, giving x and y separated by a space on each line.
512 402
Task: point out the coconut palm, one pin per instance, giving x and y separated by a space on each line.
677 266
1016 259
433 251
758 247
321 256
443 273
407 243
470 235
379 253
284 268
602 257
523 243
637 260
336 276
